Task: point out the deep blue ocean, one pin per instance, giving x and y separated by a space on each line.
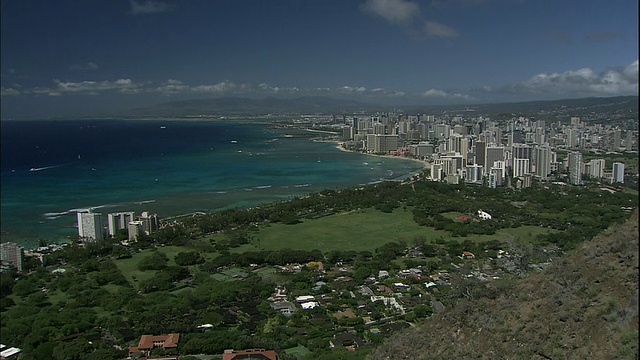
50 169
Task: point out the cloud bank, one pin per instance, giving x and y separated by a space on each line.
581 82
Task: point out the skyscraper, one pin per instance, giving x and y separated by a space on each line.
575 168
150 222
521 151
11 255
520 167
617 139
572 137
480 152
542 161
90 225
493 153
597 168
618 173
118 221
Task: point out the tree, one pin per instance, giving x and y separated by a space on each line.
155 261
189 258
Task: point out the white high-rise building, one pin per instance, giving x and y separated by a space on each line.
542 161
118 221
618 173
597 168
135 229
520 167
150 221
575 168
90 225
474 174
572 137
11 255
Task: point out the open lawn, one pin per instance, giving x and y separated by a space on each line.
365 229
129 267
228 274
299 352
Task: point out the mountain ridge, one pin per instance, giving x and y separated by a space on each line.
584 305
320 104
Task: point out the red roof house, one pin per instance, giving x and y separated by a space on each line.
150 342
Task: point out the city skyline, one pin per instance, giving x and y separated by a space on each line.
76 59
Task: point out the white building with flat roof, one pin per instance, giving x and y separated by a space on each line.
118 221
90 225
11 255
618 173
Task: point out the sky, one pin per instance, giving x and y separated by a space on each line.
83 58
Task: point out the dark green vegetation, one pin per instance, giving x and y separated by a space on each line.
219 269
583 306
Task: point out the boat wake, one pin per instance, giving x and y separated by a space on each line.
46 167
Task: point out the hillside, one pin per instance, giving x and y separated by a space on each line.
582 306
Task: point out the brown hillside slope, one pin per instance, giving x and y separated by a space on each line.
583 306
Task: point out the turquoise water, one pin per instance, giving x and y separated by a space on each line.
166 167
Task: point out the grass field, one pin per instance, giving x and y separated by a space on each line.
129 267
365 229
299 352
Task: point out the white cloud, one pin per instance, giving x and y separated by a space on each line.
436 30
398 12
84 67
171 86
221 87
582 82
434 93
437 93
88 87
352 89
149 7
9 92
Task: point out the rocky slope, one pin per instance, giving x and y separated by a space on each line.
583 306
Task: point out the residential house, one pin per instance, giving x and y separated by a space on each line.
254 354
348 340
150 342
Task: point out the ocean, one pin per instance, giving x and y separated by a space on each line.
51 169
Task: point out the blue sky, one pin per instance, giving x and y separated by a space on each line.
65 58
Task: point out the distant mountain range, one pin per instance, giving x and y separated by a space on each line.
239 105
318 104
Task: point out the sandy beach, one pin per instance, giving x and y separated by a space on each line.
425 164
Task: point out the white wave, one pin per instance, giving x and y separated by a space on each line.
144 202
302 185
263 187
51 217
54 214
221 192
249 189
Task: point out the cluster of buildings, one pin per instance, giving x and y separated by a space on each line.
91 226
486 152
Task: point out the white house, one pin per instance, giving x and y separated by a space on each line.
483 215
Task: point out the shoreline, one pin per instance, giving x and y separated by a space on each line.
425 164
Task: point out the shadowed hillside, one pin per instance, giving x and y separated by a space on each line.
583 306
